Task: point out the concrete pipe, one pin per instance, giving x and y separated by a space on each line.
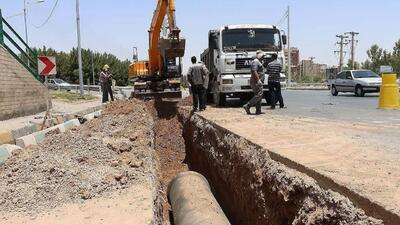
193 202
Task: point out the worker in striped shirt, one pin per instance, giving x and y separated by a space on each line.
274 69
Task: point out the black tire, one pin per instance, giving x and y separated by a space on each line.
334 91
219 99
359 91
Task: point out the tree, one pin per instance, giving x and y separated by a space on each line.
350 64
395 59
375 56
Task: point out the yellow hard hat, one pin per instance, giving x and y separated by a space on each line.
106 67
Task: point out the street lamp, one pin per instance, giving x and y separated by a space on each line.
78 31
25 12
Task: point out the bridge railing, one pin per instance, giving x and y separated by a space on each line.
17 47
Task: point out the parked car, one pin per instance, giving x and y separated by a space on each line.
357 81
59 84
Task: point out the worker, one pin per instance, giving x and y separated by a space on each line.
256 83
274 69
106 83
198 79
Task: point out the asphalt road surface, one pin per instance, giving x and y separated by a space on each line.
347 107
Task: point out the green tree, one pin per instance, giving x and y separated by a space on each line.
375 54
350 63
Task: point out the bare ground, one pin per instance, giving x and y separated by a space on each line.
348 153
169 146
85 173
254 188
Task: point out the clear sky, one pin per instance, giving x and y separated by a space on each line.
116 26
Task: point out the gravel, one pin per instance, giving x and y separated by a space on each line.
104 155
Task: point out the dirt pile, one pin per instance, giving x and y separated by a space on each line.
104 155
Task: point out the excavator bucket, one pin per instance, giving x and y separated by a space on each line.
173 47
163 89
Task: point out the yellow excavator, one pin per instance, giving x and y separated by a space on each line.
161 74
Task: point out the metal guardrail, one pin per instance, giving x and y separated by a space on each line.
26 57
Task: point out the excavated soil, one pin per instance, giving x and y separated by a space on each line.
254 189
133 142
169 146
100 158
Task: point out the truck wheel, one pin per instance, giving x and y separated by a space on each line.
359 91
219 99
334 91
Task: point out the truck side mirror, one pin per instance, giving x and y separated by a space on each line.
215 42
284 39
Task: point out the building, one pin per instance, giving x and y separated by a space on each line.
295 62
310 69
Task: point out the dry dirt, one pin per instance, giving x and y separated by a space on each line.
85 172
347 153
255 189
169 146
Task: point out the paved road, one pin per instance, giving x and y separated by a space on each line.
347 107
343 107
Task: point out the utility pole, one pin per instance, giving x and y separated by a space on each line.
289 52
78 29
26 25
353 47
343 41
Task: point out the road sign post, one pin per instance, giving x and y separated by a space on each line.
47 66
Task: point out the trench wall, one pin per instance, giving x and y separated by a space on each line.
254 189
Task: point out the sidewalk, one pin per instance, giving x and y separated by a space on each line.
59 108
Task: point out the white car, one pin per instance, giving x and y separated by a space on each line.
59 84
356 81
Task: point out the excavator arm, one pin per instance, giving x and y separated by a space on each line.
164 8
162 72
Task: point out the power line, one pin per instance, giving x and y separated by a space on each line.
49 17
285 15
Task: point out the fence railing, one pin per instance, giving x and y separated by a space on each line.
17 47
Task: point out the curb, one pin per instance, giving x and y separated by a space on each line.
92 116
6 151
10 137
6 137
36 138
83 112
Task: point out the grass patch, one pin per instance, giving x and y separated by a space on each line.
70 97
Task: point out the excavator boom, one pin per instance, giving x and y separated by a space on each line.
162 69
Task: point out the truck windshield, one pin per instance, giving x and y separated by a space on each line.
365 74
251 40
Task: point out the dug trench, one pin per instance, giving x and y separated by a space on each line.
115 152
250 186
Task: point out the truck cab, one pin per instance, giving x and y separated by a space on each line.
230 53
